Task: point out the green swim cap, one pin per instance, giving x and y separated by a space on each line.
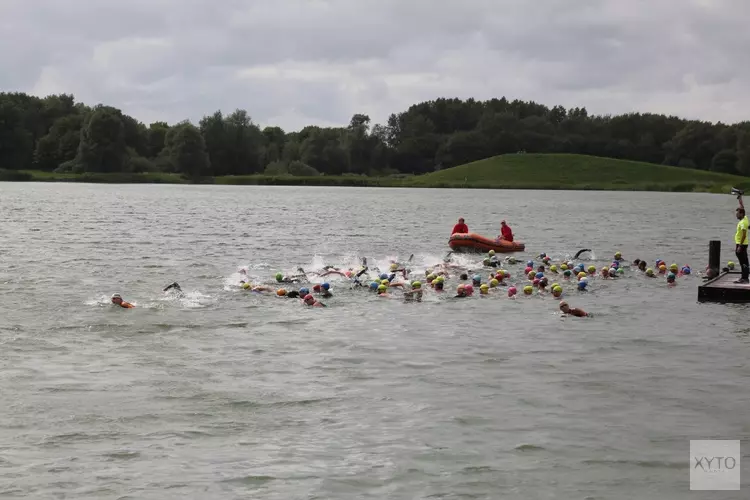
553 268
592 269
528 289
440 279
279 276
620 271
486 262
557 287
567 272
416 284
649 271
382 288
491 253
730 264
564 267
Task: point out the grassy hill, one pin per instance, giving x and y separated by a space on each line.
568 171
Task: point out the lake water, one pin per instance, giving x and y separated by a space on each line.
226 394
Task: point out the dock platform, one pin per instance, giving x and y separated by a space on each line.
722 289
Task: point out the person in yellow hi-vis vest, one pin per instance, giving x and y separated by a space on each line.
741 241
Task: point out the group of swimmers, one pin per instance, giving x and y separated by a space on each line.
537 279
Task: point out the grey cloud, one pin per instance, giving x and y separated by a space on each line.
319 61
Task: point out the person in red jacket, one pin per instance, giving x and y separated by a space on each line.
506 232
460 227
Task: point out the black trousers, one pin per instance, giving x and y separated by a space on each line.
742 257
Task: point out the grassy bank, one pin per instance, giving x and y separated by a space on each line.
518 171
566 171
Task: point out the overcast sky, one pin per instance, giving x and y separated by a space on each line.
298 62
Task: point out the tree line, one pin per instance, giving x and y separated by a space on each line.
55 133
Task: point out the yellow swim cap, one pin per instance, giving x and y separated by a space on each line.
382 288
553 268
493 283
564 267
246 285
528 289
385 283
492 252
394 267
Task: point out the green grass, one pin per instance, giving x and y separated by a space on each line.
515 171
567 171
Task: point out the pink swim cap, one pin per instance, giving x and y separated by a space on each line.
512 291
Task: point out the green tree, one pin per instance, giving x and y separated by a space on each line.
725 161
302 169
187 150
156 138
60 144
276 168
102 146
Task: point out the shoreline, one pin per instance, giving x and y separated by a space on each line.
352 181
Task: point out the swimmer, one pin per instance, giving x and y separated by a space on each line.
464 277
605 272
176 287
662 269
557 291
642 266
511 260
592 270
280 278
383 291
292 294
243 276
476 280
310 301
460 292
582 284
439 285
553 269
618 256
484 289
566 309
256 289
671 279
326 290
650 273
415 293
494 282
528 290
673 268
329 270
512 291
117 300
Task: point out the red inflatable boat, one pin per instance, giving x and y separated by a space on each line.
470 242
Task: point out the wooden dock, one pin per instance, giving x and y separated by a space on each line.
722 289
